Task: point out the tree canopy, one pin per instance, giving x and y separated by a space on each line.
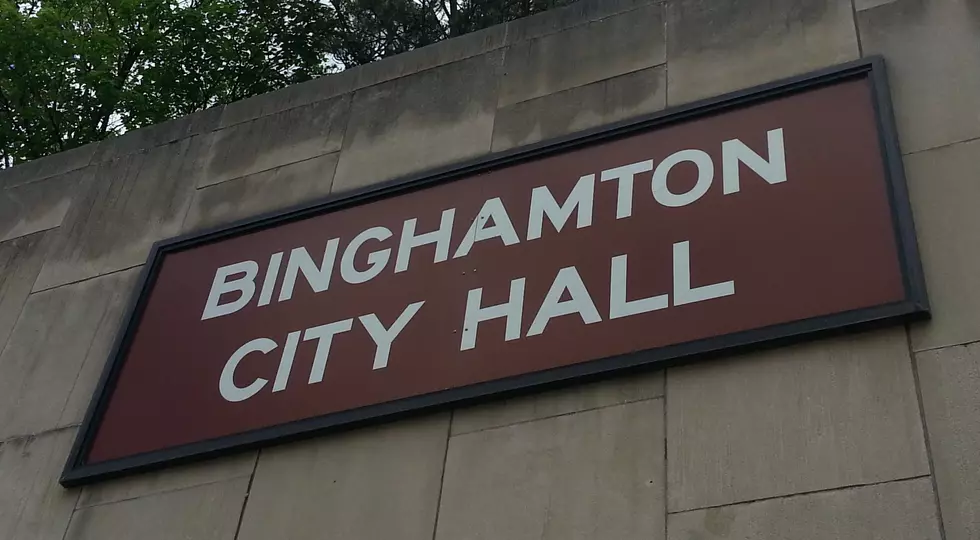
78 71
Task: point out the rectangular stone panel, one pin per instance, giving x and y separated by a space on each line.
413 123
580 108
261 192
20 262
55 354
279 139
121 207
53 165
949 380
373 483
944 191
814 416
718 47
892 511
171 479
158 134
32 504
208 512
563 18
599 50
932 51
290 97
616 391
36 206
594 474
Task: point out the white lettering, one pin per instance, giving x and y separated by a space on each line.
553 306
269 283
286 362
619 306
773 170
317 278
440 237
324 335
512 310
493 210
683 293
625 175
383 337
376 259
543 204
226 384
706 173
221 285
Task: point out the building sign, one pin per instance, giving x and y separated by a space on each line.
769 214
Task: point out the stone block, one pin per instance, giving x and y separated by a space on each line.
943 189
594 474
431 56
290 97
584 54
32 504
158 134
53 165
932 52
412 123
893 511
580 108
617 391
718 47
272 141
120 209
56 352
949 380
575 14
20 262
176 478
379 482
208 512
261 192
36 206
821 415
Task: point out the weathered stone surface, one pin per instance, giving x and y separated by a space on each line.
617 391
261 192
578 13
56 352
949 380
32 504
294 135
717 47
208 512
373 483
594 474
892 511
932 49
169 479
291 97
52 165
584 54
580 108
943 189
121 207
20 262
412 123
36 206
158 134
820 415
435 55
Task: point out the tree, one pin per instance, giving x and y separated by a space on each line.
78 71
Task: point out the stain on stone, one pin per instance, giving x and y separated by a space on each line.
579 108
698 25
285 137
719 521
438 96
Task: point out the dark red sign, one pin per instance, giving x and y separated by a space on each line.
768 214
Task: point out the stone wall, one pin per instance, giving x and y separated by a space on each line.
873 435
